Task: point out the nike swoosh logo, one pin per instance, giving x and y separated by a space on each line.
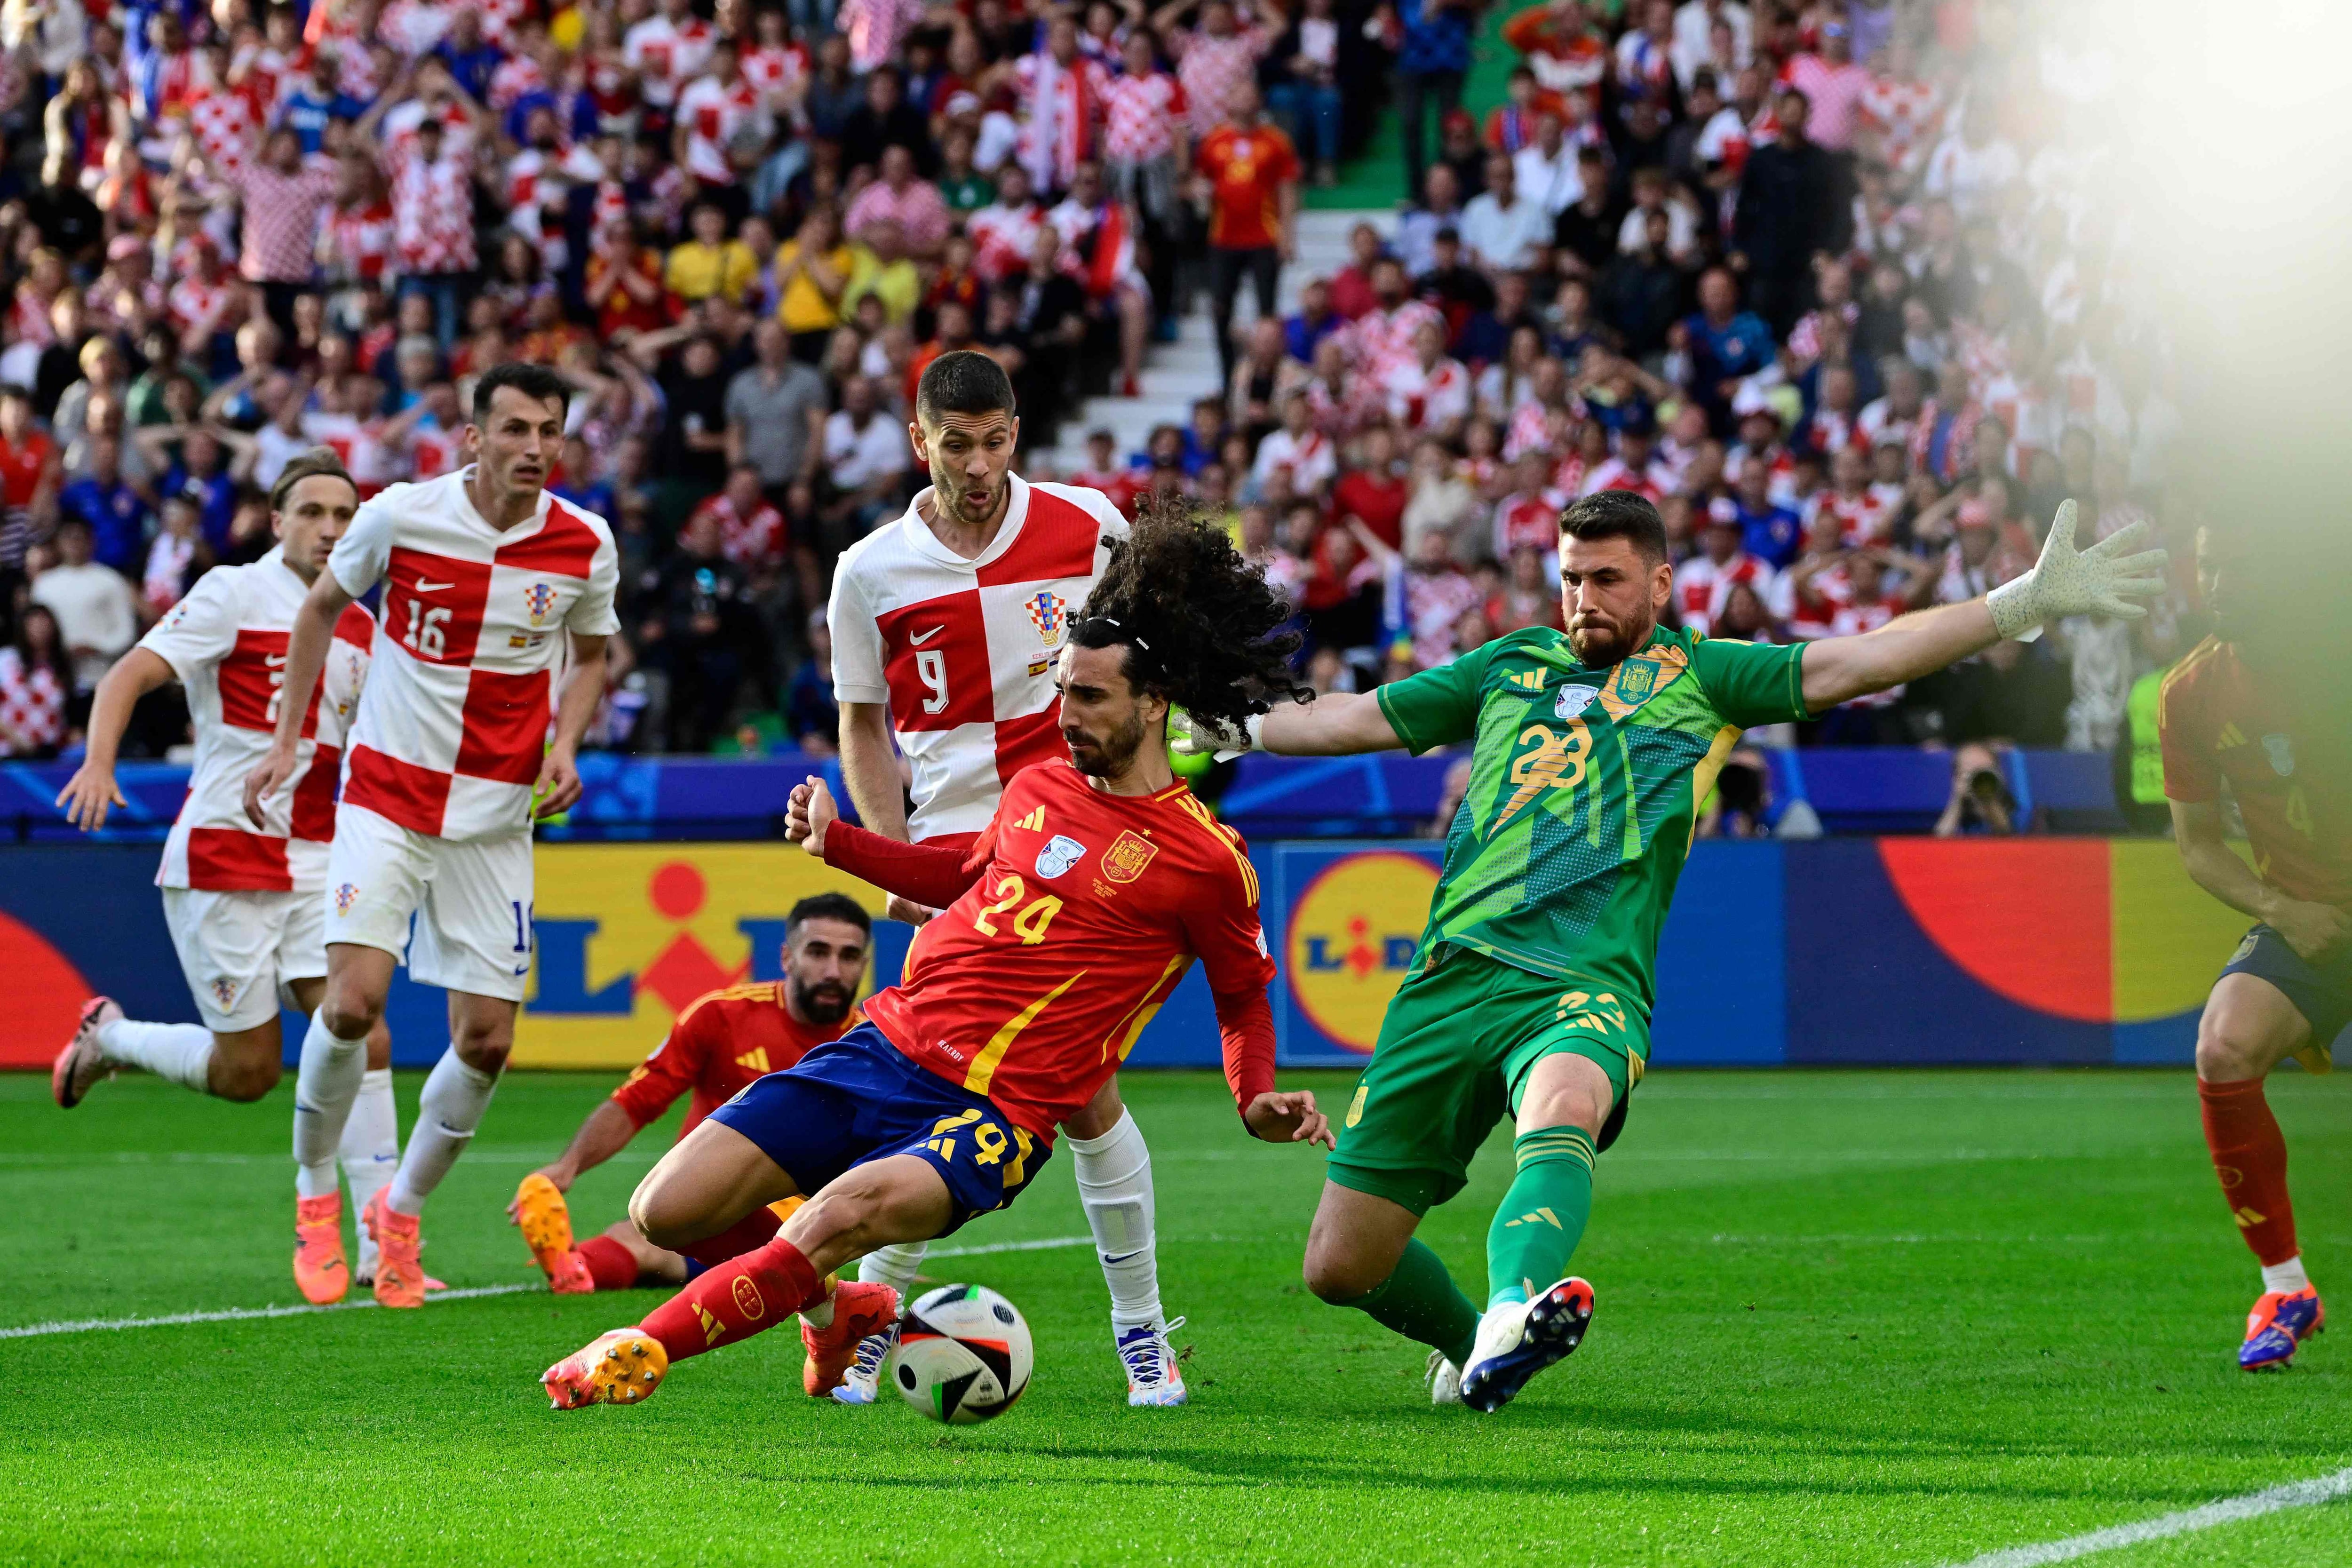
920 641
524 970
424 587
273 659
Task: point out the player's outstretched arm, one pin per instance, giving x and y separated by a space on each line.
92 792
932 876
305 656
2108 578
1336 724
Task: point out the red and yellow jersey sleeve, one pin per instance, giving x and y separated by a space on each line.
1033 985
675 1066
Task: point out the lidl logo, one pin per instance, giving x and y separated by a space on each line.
628 937
1351 940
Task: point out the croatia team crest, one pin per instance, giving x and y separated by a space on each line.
1124 862
225 991
344 897
1050 613
538 600
1060 853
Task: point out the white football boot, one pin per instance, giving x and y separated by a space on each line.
1519 1339
1444 1380
862 1383
1153 1375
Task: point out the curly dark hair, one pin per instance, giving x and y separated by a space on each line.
1200 627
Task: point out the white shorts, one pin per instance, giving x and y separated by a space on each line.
471 899
240 950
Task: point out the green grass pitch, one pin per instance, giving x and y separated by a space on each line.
1843 1318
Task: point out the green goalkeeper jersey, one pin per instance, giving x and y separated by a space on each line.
1584 790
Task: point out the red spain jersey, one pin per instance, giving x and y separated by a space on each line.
1249 169
1032 987
722 1043
2290 770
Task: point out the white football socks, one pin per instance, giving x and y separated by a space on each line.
1114 1174
447 1112
326 1083
370 1151
180 1052
2287 1277
894 1265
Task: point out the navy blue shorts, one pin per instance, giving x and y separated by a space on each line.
2321 991
860 1099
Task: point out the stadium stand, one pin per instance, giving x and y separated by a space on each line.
1823 281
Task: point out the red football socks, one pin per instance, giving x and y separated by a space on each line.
746 1235
737 1299
611 1264
2249 1156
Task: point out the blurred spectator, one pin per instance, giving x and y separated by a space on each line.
36 683
96 616
1253 175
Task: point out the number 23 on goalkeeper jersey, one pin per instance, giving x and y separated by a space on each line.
1584 789
1033 987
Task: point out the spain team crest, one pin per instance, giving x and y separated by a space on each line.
1129 853
1050 613
1637 680
539 601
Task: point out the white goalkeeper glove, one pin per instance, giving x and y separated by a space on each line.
2100 581
1191 734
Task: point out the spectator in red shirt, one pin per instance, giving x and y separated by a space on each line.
1253 176
1373 490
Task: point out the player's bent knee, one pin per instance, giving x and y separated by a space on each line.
349 1015
1338 1272
245 1079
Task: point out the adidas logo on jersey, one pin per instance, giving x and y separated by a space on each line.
2229 737
1529 680
1034 822
755 1062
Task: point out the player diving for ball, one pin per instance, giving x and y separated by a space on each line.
723 1042
1531 990
245 902
945 625
1094 886
2251 711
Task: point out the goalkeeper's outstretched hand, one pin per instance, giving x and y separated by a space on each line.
1192 734
2101 581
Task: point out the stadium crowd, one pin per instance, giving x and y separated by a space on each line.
1831 283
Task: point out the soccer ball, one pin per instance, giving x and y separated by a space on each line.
964 1355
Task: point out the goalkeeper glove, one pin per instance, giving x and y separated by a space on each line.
2100 581
1191 734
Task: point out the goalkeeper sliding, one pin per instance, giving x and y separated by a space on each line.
1531 989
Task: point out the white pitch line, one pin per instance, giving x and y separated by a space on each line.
1047 1245
237 1314
2229 1510
244 1314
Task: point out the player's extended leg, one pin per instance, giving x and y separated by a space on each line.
703 1185
449 1111
369 1149
327 1079
1535 1312
1361 1252
621 1259
1114 1172
320 1270
2249 1026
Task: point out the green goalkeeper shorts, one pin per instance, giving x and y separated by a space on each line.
1453 1055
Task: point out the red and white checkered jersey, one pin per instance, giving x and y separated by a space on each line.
1144 112
667 56
1705 585
226 123
432 211
454 724
1381 340
227 643
962 651
714 114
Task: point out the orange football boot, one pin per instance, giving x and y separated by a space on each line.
618 1368
858 1310
319 1268
81 1064
399 1275
546 1222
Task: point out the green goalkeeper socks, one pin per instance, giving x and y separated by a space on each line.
1542 1217
1420 1301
